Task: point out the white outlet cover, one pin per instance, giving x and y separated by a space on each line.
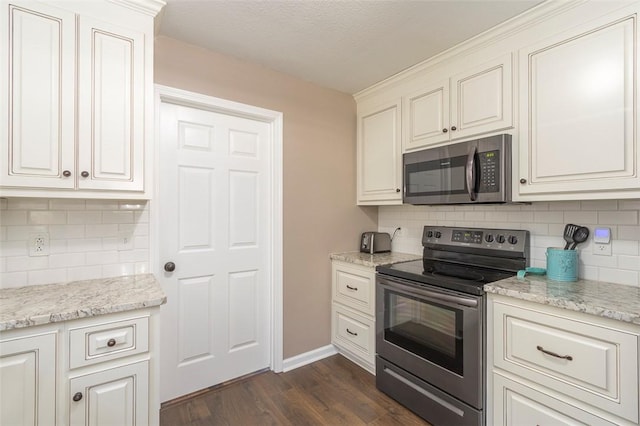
125 241
39 244
602 249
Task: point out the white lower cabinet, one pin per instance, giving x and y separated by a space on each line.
550 366
117 396
98 371
28 378
353 313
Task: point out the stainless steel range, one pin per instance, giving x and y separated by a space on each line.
430 320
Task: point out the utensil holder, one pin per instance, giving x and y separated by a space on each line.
562 265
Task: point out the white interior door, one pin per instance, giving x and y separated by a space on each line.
214 192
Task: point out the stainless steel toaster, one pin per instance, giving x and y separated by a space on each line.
375 242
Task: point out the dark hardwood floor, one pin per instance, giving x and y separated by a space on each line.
332 391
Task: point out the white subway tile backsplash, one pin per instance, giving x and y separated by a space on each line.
13 217
83 239
47 217
627 217
545 222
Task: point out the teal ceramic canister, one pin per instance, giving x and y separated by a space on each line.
562 265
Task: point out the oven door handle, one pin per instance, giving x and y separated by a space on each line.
431 294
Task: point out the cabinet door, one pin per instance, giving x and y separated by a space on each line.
578 110
379 155
111 106
28 380
37 112
482 99
118 396
427 116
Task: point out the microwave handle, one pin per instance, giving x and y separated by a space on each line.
471 173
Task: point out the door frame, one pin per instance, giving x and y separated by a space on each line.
275 120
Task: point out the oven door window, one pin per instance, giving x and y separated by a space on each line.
427 329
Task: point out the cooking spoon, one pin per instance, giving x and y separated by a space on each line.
569 230
580 236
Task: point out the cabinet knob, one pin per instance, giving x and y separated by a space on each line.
454 128
111 343
523 181
84 174
66 173
397 189
445 130
169 266
77 397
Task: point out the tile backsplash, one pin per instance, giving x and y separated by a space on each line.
87 239
545 221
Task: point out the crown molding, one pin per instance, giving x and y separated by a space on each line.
148 7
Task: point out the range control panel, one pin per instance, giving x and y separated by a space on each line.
485 238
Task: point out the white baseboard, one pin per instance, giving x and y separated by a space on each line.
308 357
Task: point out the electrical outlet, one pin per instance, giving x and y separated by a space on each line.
602 249
125 241
402 232
39 244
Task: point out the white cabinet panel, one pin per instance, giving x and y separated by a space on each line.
476 101
578 116
118 396
110 106
38 127
379 155
28 380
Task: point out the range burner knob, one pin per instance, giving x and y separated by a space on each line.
488 238
513 239
500 239
438 234
430 234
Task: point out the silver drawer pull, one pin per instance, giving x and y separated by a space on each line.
352 288
351 332
544 351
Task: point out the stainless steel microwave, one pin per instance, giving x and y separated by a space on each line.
475 171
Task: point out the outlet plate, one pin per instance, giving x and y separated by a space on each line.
602 249
39 244
125 241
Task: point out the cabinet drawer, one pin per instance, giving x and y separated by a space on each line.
586 361
354 287
518 404
97 343
354 332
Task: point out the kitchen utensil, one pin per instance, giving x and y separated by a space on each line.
580 236
531 270
569 230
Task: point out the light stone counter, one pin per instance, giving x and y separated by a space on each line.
373 260
43 304
615 301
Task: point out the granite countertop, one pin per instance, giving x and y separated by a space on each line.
42 304
615 301
373 260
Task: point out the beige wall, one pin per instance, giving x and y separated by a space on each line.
320 215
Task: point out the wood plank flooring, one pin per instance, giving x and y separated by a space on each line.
332 391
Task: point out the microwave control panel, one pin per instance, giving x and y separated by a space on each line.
489 162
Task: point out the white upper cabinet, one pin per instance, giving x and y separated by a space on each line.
78 118
379 154
578 112
37 117
476 101
110 106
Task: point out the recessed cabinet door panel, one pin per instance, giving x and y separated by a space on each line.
379 157
118 396
483 99
37 117
427 118
110 97
578 121
28 380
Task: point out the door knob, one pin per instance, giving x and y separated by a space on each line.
169 266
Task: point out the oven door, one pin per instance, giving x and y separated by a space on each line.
434 334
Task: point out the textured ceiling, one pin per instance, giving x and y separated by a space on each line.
344 45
